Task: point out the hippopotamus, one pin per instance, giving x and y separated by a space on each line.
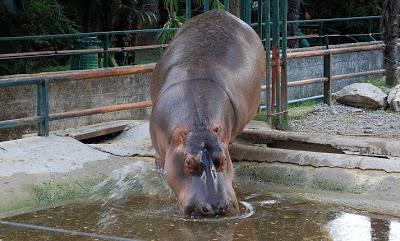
204 89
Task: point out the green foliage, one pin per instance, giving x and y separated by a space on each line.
338 8
174 21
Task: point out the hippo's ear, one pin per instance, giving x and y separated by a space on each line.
180 135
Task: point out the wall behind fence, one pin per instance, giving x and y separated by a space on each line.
19 102
312 67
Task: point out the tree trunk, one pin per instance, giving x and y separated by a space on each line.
390 30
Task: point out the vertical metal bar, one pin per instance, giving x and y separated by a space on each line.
259 18
370 25
105 51
206 5
226 5
26 66
188 9
248 11
284 85
321 33
276 62
328 83
267 44
42 106
242 10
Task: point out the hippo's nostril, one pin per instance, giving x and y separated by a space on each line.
205 210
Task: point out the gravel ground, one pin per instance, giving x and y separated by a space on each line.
345 120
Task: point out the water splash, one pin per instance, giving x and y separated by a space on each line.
139 177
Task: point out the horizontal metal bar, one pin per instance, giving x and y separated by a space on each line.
91 34
305 99
78 75
326 20
54 53
307 82
302 82
20 122
359 74
322 52
18 82
100 110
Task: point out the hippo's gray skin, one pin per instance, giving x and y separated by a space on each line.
205 89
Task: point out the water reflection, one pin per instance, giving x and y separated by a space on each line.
394 234
346 227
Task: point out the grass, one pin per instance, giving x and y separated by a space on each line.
295 111
380 83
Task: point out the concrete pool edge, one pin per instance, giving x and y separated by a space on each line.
326 182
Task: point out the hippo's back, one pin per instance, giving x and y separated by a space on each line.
218 47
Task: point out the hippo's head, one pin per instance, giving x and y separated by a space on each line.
199 170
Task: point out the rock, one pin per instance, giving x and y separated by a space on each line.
362 95
394 98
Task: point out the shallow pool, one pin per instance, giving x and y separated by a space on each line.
133 204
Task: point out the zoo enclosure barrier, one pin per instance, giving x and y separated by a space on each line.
274 39
43 117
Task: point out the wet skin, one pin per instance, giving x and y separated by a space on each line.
205 89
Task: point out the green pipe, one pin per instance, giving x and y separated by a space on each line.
248 11
226 5
275 59
259 18
206 5
42 100
188 9
105 51
20 122
267 44
284 85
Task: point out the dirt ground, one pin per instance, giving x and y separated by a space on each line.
345 120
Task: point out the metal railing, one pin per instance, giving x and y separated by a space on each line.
106 39
276 85
43 117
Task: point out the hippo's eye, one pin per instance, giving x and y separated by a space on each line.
220 163
217 130
192 166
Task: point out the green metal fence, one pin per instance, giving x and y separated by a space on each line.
276 57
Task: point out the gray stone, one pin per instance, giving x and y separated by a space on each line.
394 98
362 95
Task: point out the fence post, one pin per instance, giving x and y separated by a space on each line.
188 9
328 82
226 5
321 33
105 51
276 69
259 18
42 106
267 44
206 5
284 79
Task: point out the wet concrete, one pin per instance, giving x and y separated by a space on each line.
155 217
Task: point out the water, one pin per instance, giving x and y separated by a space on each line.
134 205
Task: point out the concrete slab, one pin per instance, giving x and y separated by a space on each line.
134 141
36 155
240 152
350 144
91 131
